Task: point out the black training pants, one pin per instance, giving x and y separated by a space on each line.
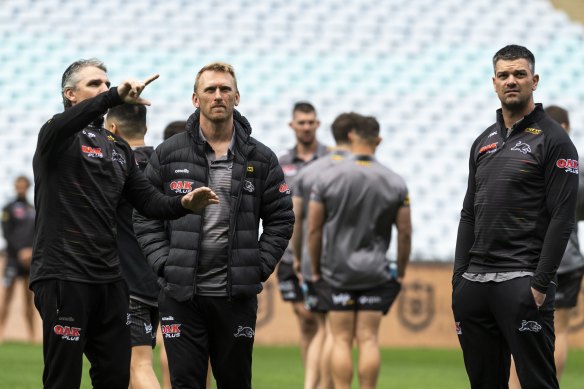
84 318
497 319
208 327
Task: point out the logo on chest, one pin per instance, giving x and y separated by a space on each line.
522 147
488 148
248 186
182 187
117 157
92 152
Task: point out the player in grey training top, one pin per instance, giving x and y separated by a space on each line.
317 366
351 213
307 149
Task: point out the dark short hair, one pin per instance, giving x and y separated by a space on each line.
70 79
343 124
130 118
303 106
512 53
367 128
559 114
174 128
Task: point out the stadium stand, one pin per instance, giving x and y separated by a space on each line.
421 67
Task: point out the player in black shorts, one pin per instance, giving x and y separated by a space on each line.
353 206
304 123
129 122
317 372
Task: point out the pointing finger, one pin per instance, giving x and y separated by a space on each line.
151 78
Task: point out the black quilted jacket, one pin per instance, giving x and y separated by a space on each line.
172 247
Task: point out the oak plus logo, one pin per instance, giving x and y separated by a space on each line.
181 187
68 333
92 152
284 188
170 331
488 148
569 165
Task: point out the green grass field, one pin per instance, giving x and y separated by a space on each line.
280 367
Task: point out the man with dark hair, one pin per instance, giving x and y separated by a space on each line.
352 209
317 367
212 264
174 128
81 172
517 216
18 230
570 271
129 122
304 123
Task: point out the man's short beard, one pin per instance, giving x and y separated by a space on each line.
516 105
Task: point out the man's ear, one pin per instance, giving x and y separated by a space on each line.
195 100
69 94
112 127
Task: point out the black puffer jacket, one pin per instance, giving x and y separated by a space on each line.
179 165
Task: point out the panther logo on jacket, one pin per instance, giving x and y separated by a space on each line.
248 186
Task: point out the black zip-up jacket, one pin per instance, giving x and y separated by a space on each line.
179 164
519 207
140 278
17 226
81 171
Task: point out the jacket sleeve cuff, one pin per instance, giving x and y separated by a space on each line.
538 285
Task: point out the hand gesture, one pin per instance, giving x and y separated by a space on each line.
538 297
199 198
129 90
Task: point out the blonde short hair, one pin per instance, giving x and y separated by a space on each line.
216 67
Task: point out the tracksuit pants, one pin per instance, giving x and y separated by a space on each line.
497 319
83 318
208 327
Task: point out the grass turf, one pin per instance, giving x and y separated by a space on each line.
280 367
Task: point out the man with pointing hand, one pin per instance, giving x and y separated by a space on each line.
81 171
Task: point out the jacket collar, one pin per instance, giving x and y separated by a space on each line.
243 143
530 118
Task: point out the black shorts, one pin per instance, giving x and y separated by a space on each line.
375 299
568 289
12 271
143 322
317 295
288 283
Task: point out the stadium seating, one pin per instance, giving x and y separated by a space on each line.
421 67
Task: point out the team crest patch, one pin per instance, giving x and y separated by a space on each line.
522 147
248 186
531 326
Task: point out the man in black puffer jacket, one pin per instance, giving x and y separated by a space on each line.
211 265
